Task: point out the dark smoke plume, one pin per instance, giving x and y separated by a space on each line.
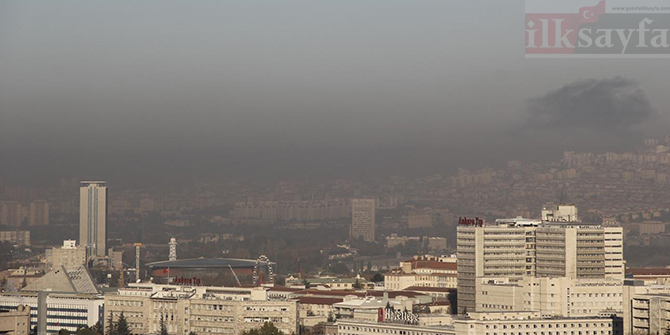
613 105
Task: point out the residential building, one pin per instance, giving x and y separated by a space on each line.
11 213
93 217
363 219
19 238
422 218
39 213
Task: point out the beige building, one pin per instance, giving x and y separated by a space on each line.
93 217
69 256
16 237
39 213
651 227
552 297
11 213
529 323
515 248
560 212
15 322
218 310
501 323
363 219
648 314
420 218
422 271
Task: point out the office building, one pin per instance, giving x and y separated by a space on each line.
516 248
39 213
72 300
69 255
363 219
184 309
93 217
64 310
11 213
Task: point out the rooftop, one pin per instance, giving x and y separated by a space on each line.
207 263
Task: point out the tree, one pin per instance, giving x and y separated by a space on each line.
162 326
111 328
357 284
667 332
63 331
267 329
122 326
85 331
97 329
192 333
378 278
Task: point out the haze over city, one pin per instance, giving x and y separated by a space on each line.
270 90
298 167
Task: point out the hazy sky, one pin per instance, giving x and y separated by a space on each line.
278 89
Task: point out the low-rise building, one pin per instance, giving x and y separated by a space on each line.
16 322
185 309
64 310
552 297
424 271
19 238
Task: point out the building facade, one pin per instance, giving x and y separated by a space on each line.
11 213
17 237
16 322
363 219
515 248
69 255
69 311
217 310
93 217
39 213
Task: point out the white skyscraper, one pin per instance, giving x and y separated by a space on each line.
93 217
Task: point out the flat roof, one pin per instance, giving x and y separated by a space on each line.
207 263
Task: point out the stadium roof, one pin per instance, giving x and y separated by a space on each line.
206 263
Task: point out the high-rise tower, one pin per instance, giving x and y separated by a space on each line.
363 219
93 217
